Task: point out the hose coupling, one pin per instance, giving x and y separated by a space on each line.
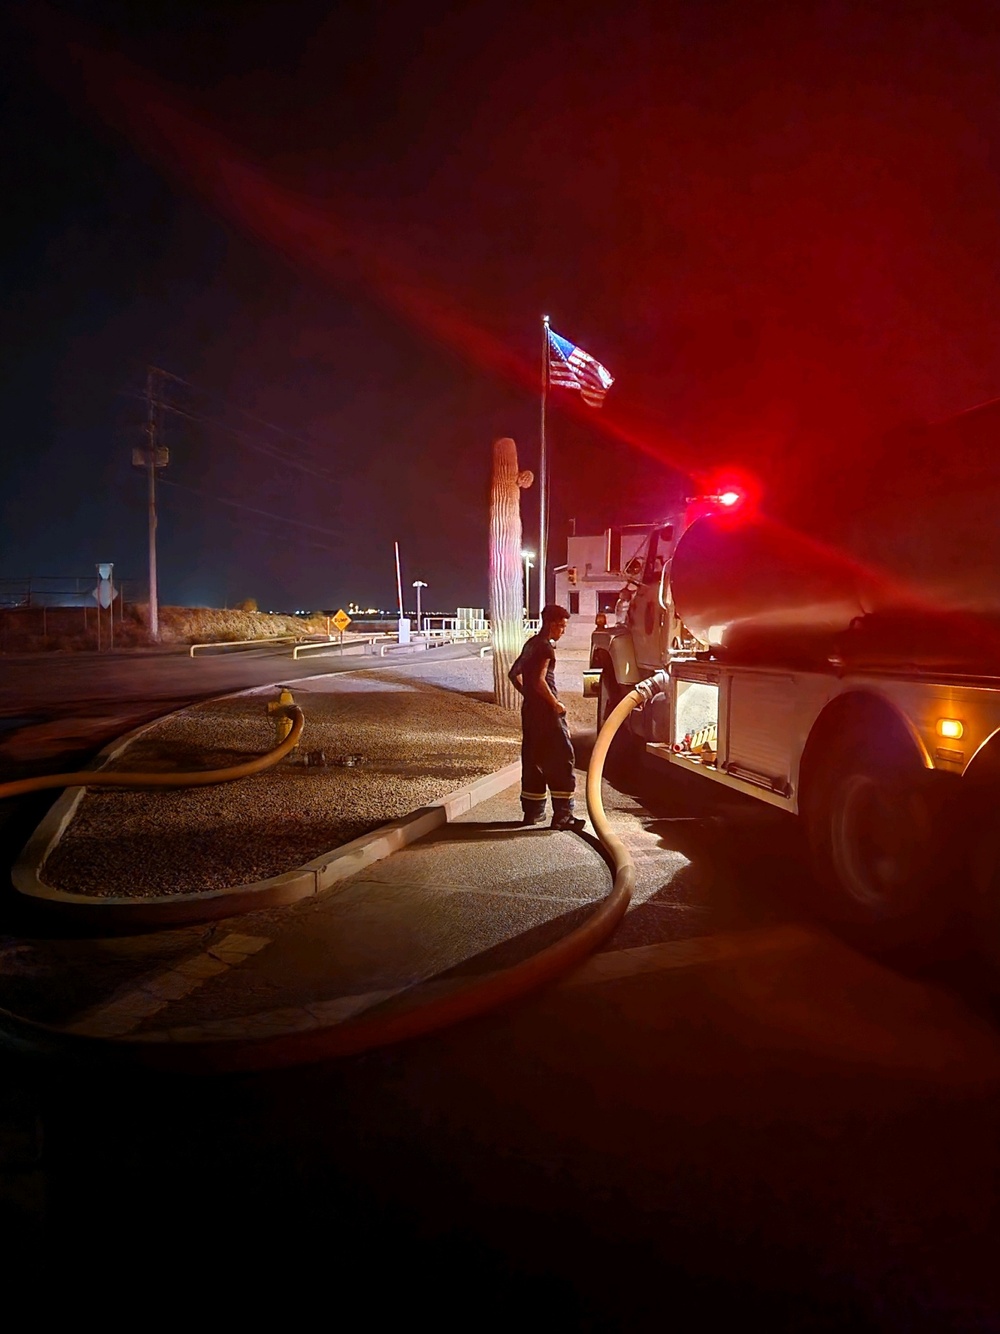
652 685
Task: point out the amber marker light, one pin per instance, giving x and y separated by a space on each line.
950 727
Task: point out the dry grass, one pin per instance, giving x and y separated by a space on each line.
67 629
194 625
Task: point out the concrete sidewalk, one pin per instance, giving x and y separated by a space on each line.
453 889
473 895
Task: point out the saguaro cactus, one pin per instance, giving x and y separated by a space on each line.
506 579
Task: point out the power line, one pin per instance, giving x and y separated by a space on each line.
155 456
261 446
261 533
280 430
235 504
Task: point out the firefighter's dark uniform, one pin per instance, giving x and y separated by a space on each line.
546 750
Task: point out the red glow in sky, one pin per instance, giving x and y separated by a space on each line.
326 243
775 225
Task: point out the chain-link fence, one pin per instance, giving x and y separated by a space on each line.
48 612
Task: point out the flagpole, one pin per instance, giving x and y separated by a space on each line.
543 468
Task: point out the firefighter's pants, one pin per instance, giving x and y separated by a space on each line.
546 763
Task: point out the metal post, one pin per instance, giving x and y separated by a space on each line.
527 591
154 610
418 584
543 468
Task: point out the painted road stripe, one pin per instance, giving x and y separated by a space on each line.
672 954
120 1016
600 968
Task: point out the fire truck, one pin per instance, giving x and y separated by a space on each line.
842 666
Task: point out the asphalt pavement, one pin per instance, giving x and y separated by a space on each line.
724 1116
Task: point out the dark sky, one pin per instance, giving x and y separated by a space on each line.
341 224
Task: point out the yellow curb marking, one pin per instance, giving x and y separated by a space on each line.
275 1023
126 1012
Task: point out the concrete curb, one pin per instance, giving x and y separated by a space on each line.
315 877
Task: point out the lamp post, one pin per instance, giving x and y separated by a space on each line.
418 584
527 566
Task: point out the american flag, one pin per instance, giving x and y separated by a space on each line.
572 368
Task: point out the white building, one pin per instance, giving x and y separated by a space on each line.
590 581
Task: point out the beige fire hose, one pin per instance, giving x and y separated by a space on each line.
407 1021
196 778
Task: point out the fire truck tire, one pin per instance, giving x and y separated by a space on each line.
609 696
876 833
625 753
982 837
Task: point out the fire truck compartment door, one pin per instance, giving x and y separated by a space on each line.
760 726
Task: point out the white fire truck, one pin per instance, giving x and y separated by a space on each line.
845 669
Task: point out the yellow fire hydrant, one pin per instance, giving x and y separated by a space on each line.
278 709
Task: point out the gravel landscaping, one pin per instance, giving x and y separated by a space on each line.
377 745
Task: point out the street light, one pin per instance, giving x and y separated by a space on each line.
527 566
418 584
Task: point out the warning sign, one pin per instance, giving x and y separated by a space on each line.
341 620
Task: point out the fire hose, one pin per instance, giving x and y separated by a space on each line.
367 1033
194 778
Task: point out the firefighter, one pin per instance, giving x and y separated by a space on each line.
547 758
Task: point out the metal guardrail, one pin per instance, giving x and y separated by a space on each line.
327 644
477 634
242 643
422 639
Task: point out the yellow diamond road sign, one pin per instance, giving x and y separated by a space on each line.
341 620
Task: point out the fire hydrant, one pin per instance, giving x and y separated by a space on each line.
278 709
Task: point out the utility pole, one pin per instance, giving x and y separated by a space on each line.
152 457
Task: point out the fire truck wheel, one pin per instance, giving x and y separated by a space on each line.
875 829
609 696
625 753
982 837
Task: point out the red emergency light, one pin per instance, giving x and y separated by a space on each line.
724 493
727 501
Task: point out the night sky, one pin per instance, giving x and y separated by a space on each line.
339 226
